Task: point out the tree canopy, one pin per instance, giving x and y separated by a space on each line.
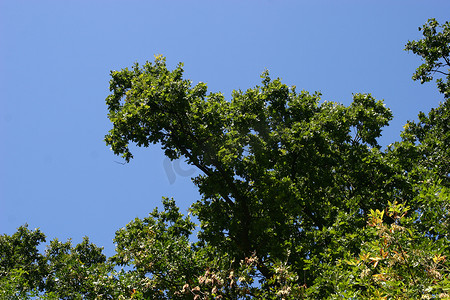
298 199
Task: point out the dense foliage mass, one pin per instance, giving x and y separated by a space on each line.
299 201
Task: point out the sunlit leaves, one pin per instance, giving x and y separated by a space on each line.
401 262
435 52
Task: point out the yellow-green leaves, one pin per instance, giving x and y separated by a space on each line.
400 263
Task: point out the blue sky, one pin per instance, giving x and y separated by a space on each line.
56 173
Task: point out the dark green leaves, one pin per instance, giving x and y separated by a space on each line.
22 267
277 166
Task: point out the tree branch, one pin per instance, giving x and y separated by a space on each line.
443 73
446 60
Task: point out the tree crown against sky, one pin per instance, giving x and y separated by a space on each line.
289 184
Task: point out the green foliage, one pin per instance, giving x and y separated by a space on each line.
278 167
159 251
434 50
74 271
22 267
425 147
401 262
299 201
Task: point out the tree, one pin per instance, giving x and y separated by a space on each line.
281 172
62 272
158 249
408 259
425 145
424 152
74 271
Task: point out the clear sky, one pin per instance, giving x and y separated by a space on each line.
56 173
